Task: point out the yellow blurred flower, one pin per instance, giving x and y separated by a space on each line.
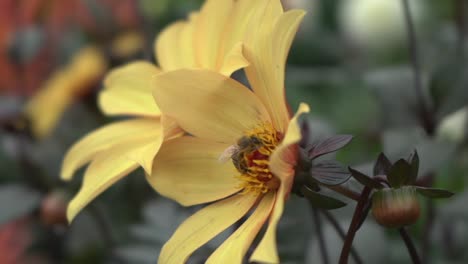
242 149
210 39
127 44
45 109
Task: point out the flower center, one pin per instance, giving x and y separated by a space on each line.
251 158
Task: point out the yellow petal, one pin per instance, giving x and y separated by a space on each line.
282 166
106 137
234 60
210 31
106 168
127 91
171 52
145 155
186 45
238 22
136 75
128 102
266 251
266 49
188 170
203 226
208 104
236 246
282 160
232 57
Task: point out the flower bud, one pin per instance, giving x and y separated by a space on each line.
395 208
54 209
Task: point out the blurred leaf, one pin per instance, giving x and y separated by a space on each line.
434 193
365 180
138 254
328 145
456 206
399 173
449 87
153 9
294 230
370 243
16 201
432 153
161 219
329 172
394 90
26 44
321 201
382 165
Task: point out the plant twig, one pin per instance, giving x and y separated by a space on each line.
353 227
426 115
344 191
410 245
340 231
459 13
319 231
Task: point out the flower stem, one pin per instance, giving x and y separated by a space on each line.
459 13
319 231
410 245
354 226
344 191
426 116
340 231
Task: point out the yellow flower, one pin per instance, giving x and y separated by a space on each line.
242 151
210 39
45 109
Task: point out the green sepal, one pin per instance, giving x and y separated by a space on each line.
399 173
382 165
365 180
321 201
434 193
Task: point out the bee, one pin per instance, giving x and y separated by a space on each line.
245 145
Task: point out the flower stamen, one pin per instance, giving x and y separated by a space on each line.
251 158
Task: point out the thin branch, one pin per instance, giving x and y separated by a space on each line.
459 14
340 231
354 226
410 245
344 191
426 115
319 231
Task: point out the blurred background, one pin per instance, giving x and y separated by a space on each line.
350 61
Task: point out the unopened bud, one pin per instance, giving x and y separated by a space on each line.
395 208
54 209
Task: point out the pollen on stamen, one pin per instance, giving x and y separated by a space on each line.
251 158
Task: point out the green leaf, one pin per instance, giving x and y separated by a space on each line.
17 201
399 173
320 200
364 179
382 165
329 172
414 164
388 84
434 193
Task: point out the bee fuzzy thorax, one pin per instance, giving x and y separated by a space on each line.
251 157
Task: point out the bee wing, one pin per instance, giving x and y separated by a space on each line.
227 153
